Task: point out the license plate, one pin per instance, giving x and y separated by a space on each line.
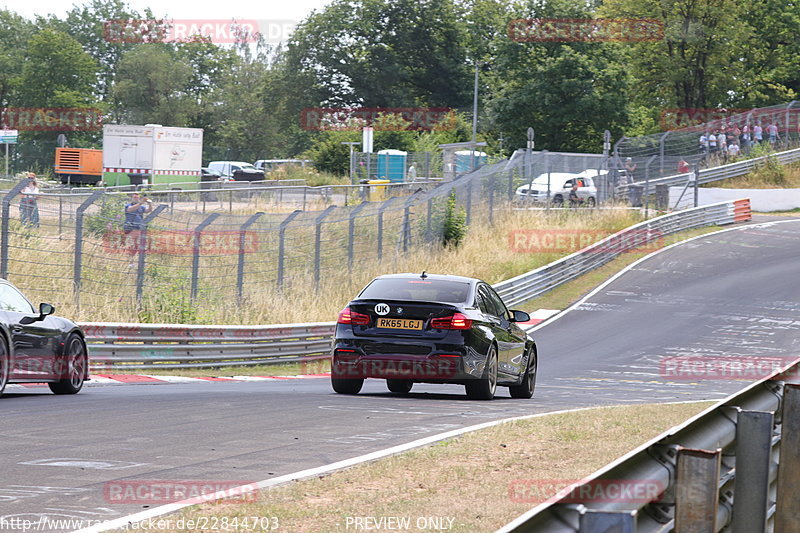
399 323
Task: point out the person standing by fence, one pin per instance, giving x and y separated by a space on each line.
134 220
28 206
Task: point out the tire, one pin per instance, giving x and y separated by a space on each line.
591 202
484 388
5 364
525 389
347 386
76 362
401 386
558 200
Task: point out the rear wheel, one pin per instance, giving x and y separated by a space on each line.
347 386
5 364
484 388
591 202
75 363
401 386
526 388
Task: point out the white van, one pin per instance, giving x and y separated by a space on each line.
560 185
227 168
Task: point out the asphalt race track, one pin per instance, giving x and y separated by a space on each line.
731 294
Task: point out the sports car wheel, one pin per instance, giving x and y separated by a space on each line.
347 386
75 362
5 364
402 386
484 388
526 388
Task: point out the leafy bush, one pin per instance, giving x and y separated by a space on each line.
110 218
455 222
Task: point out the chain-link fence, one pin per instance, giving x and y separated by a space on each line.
697 139
200 249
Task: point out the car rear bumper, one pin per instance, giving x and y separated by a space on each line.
450 364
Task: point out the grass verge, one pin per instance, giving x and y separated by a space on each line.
475 482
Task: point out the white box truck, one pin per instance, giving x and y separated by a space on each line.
151 154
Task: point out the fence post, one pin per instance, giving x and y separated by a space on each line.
78 261
242 241
661 152
318 242
143 250
753 456
407 220
6 214
282 244
469 200
490 182
381 209
647 186
787 519
196 252
696 490
351 230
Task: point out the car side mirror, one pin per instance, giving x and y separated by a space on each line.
44 310
519 316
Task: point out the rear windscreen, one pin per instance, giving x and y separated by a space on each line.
416 289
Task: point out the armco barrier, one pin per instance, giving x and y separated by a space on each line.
142 346
720 472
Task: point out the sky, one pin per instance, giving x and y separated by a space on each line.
271 14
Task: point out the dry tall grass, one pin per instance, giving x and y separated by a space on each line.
41 265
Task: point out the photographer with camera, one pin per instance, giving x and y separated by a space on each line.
134 220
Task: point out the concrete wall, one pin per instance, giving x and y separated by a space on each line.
764 200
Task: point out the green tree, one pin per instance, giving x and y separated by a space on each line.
15 32
382 54
568 92
152 86
57 73
107 29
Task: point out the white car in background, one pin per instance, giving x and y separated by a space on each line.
560 185
227 168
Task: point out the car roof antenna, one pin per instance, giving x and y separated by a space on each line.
424 275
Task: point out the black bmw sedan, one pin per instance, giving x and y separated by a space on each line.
37 347
411 328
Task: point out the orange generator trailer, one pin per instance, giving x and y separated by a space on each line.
81 166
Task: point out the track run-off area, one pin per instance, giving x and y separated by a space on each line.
728 294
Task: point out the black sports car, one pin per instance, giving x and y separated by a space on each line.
409 328
38 347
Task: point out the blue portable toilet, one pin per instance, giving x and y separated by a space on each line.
392 165
464 160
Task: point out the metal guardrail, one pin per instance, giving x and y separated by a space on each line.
142 346
718 471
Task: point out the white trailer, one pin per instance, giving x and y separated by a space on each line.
151 154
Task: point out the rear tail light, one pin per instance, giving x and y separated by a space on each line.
346 316
457 321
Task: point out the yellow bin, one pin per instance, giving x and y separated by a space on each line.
377 191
